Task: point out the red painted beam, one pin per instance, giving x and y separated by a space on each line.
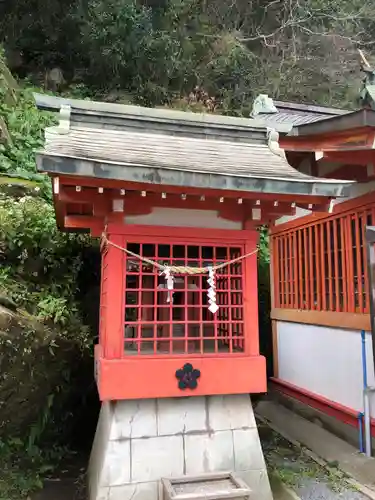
136 204
351 140
117 185
83 222
342 413
89 195
351 172
360 158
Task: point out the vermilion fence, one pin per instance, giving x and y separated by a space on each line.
319 262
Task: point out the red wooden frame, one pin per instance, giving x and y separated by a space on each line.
346 141
154 372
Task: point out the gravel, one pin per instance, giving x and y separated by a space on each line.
310 489
297 470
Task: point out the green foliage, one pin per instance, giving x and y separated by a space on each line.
41 345
231 75
23 468
35 252
115 34
159 50
263 246
44 345
44 32
26 127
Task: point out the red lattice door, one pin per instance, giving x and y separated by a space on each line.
183 325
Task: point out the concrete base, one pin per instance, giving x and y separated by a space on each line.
139 442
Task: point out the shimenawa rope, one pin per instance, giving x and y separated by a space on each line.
176 269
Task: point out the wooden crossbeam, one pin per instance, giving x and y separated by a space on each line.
207 193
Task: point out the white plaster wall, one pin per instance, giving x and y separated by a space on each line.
181 217
325 361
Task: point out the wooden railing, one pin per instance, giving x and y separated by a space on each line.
319 261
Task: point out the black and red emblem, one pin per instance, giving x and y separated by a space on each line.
188 377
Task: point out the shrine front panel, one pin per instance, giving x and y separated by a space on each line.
179 321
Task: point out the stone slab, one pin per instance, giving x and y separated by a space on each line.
248 454
209 452
230 412
154 458
181 415
139 491
134 419
116 465
258 482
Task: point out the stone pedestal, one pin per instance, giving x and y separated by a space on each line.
139 442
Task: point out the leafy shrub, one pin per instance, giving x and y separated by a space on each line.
45 349
26 127
34 251
114 36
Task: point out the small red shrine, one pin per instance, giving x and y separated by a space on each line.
176 199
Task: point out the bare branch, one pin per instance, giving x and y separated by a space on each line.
364 60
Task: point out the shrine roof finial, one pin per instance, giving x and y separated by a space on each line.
367 95
263 105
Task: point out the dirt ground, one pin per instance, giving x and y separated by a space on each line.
285 461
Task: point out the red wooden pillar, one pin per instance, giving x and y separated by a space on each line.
250 296
115 310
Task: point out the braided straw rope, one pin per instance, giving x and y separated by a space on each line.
175 269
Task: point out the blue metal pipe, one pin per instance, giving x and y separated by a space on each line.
364 377
364 361
360 432
366 401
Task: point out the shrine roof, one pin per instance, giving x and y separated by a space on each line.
280 113
349 121
157 146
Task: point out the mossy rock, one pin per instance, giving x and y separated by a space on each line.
18 187
8 82
33 360
4 133
7 302
6 318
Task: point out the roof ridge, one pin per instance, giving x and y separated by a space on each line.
313 108
94 111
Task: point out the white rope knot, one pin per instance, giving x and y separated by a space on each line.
169 278
211 293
